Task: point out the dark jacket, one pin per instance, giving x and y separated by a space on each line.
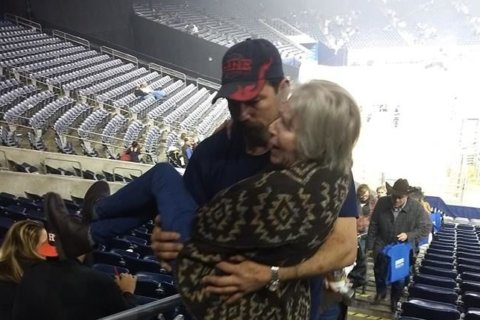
67 290
8 290
384 228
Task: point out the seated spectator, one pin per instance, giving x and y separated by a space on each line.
65 289
187 149
134 151
145 91
303 160
25 244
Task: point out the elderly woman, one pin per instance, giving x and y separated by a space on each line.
282 216
25 243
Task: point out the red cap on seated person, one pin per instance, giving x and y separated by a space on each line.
48 249
246 67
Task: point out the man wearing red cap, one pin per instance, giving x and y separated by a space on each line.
395 218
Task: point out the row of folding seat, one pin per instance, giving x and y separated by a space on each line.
22 38
447 284
218 114
103 86
7 85
179 113
132 133
34 50
83 83
67 49
151 141
6 33
22 112
116 124
10 98
128 87
49 114
190 122
172 101
68 64
79 112
94 120
7 48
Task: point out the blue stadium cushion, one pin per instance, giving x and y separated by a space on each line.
110 269
7 199
142 235
433 293
430 310
437 264
440 246
5 224
108 258
439 257
143 250
471 299
472 314
468 250
435 281
438 272
465 227
125 253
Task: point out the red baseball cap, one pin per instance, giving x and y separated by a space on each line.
48 249
246 67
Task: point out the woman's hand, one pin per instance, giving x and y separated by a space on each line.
126 282
242 277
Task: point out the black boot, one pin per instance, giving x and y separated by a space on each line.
97 191
379 297
71 231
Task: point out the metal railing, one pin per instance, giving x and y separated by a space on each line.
146 311
71 38
164 70
23 22
118 54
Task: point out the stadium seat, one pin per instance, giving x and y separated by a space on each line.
472 314
430 310
157 276
125 253
110 269
108 258
468 285
435 281
439 257
471 299
437 264
438 272
116 243
471 276
138 265
433 293
148 287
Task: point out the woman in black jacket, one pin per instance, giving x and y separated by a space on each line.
24 245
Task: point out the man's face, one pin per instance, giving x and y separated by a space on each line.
255 115
398 200
381 193
363 197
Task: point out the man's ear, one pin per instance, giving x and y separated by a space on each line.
284 90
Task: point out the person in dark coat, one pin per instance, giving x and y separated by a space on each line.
396 218
25 244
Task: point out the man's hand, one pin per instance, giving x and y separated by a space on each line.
165 245
242 277
127 282
402 236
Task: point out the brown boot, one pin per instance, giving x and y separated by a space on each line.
71 231
97 191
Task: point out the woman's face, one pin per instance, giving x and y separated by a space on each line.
43 239
283 140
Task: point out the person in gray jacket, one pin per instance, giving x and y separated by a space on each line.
395 218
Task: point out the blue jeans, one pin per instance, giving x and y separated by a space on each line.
331 313
157 94
160 191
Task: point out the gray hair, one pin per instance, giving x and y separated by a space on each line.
328 120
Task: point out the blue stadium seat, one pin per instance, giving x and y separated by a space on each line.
116 243
467 268
157 276
467 261
125 253
107 268
468 285
108 258
471 299
438 272
137 265
471 276
143 250
437 264
468 255
430 310
148 287
435 281
433 293
135 240
439 252
5 224
439 257
472 314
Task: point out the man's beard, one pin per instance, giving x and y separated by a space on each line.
256 134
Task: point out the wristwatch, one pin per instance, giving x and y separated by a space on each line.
275 280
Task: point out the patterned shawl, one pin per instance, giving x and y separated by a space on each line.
276 218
